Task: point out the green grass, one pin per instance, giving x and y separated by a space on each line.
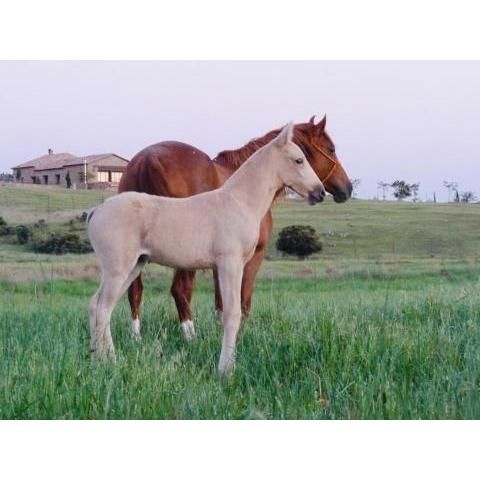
382 230
29 203
364 330
380 348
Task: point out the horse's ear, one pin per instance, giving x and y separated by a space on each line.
320 127
285 135
312 120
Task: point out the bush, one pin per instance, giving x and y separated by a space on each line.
5 229
299 240
42 224
60 243
23 234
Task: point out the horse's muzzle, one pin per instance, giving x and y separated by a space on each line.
317 195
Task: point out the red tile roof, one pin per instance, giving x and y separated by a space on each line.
53 160
60 160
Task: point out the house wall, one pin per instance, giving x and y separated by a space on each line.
52 176
102 165
25 174
76 173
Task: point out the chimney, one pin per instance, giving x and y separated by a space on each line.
50 151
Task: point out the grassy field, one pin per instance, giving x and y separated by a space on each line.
384 323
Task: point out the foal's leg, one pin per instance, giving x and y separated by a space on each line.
101 308
113 286
230 279
135 292
181 290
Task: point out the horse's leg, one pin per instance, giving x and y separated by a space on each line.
101 308
230 279
113 286
253 265
218 295
248 281
181 290
135 292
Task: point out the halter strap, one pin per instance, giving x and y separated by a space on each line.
328 157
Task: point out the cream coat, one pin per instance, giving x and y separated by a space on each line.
217 229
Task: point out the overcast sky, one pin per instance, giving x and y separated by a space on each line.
418 121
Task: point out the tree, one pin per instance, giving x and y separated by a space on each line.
457 197
68 180
90 176
355 184
5 229
6 177
414 187
299 240
467 197
450 186
401 189
383 186
434 197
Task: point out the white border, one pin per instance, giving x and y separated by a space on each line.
239 450
213 29
250 29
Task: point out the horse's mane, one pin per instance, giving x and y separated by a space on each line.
235 158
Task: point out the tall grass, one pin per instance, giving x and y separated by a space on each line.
380 348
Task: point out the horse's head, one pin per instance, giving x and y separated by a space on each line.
320 152
293 169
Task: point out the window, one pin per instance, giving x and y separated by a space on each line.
108 176
102 176
116 176
57 178
45 179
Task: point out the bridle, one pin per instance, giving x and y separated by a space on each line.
334 161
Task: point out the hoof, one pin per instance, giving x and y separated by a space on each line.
227 371
188 330
226 367
103 355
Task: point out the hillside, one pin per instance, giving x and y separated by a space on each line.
370 237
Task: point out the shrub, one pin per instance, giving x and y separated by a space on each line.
60 243
41 224
23 234
299 240
5 229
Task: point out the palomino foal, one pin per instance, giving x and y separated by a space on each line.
217 229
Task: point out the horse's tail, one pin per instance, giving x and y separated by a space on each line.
90 215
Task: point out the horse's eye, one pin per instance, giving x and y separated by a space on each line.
299 161
332 149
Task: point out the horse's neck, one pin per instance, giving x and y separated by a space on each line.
255 184
234 159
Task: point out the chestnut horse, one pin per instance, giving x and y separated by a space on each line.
175 169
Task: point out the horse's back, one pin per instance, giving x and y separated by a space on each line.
171 169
